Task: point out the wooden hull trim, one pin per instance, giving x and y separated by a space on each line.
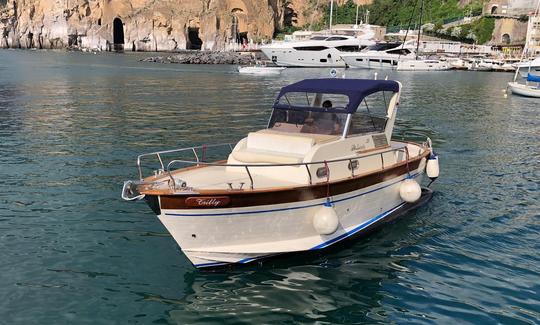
238 199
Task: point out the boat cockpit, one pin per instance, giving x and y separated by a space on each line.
320 130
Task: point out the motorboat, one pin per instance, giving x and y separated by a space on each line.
455 63
323 49
422 65
325 169
379 56
260 69
530 89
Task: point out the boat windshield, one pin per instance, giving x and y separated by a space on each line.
293 121
310 113
383 46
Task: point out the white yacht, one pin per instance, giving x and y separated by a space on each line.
321 50
379 56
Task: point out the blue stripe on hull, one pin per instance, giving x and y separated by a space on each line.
281 209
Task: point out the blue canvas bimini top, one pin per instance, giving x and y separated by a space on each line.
533 78
355 89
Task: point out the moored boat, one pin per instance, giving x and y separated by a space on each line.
325 169
530 89
422 65
260 69
379 56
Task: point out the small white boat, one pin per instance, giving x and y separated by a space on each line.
527 90
422 65
455 63
260 69
325 169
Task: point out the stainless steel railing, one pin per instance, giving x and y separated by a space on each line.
159 155
326 163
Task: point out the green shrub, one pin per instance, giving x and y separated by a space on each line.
483 29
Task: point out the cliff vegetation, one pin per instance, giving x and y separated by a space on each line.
398 14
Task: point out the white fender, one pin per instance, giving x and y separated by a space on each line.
325 220
432 166
410 191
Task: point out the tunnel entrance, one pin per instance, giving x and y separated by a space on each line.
194 42
118 35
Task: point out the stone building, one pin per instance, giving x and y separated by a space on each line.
510 32
533 37
514 8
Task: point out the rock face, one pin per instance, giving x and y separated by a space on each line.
140 25
205 57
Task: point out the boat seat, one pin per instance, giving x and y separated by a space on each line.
274 147
266 156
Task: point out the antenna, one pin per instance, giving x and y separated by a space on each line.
356 21
331 11
419 28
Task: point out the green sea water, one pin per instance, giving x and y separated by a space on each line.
73 252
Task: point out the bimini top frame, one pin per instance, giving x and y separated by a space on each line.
355 89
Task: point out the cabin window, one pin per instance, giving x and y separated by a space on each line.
348 48
310 48
322 172
371 115
337 38
318 38
399 51
383 46
353 165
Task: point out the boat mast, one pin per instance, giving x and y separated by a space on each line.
356 21
331 14
419 28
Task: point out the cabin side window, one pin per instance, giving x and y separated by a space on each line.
371 115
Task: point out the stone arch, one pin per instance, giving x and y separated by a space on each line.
494 9
505 39
194 42
118 34
239 25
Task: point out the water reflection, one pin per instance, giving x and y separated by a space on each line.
346 282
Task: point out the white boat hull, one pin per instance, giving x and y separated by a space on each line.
524 90
261 70
422 65
289 57
370 63
212 237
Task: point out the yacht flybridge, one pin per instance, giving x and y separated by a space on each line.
323 170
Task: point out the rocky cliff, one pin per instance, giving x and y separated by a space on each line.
147 25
